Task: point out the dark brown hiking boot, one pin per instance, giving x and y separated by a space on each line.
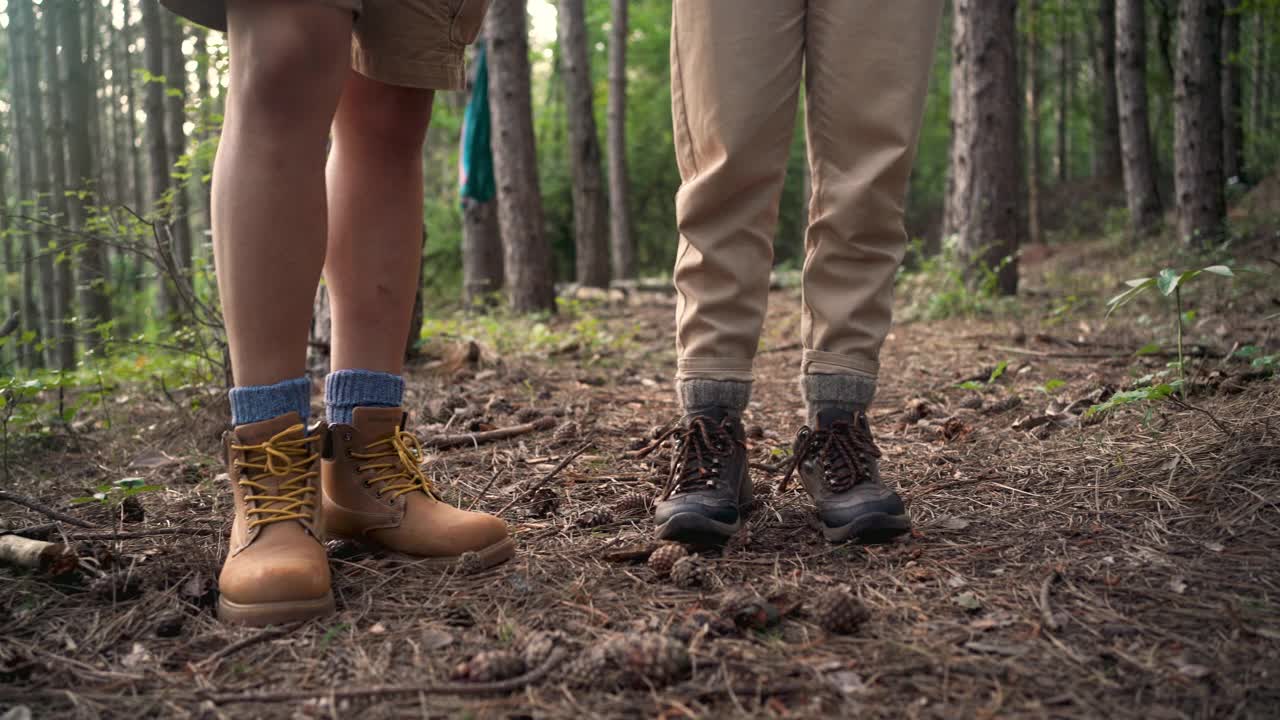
708 490
839 466
276 569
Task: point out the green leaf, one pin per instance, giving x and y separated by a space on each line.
130 482
998 371
1189 317
1167 281
1136 287
1222 270
970 385
1049 387
1148 349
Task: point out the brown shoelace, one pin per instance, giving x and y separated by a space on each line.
845 451
702 446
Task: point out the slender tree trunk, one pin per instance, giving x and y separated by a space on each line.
137 181
95 301
1107 162
153 22
1198 123
204 129
64 280
1032 59
1141 194
985 212
590 210
621 245
1063 159
527 254
1232 94
21 24
42 164
175 116
1258 79
118 144
11 304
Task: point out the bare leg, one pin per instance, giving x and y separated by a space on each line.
288 64
375 228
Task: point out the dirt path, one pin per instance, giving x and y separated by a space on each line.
1126 568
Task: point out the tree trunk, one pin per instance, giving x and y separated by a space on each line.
1257 92
590 211
21 24
137 182
42 165
1032 59
1063 161
984 207
175 116
64 281
153 22
1141 194
94 299
1232 95
481 252
527 254
1197 151
621 245
117 144
204 129
1107 163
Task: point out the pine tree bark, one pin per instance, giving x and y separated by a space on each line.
41 164
1141 193
1232 94
1108 165
590 209
526 251
621 244
984 210
1257 91
137 183
482 270
1032 59
204 90
95 302
153 22
64 280
1063 157
21 24
116 150
175 117
1197 127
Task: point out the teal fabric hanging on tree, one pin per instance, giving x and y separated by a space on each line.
475 161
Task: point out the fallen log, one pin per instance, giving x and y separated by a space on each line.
45 557
441 442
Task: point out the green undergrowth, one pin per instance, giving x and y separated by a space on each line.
576 329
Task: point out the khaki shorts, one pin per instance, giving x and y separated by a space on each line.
415 43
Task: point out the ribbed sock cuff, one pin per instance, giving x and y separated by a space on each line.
346 390
844 392
729 394
255 403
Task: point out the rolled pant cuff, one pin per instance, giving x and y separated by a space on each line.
818 362
733 369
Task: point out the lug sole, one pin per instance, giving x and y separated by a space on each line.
276 613
870 529
487 557
695 529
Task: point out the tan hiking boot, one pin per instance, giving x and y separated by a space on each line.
375 492
276 570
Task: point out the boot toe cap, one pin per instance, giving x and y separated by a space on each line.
849 510
252 578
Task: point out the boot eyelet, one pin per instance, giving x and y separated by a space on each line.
346 437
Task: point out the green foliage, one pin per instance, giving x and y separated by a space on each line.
1148 393
117 492
575 328
938 290
996 373
1052 386
1258 359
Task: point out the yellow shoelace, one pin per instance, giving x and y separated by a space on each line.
281 456
400 465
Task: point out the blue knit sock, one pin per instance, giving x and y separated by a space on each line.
346 390
256 403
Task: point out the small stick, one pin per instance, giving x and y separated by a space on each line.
502 686
485 489
46 557
237 646
44 509
135 534
545 478
1046 612
442 442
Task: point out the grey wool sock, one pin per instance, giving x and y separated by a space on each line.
844 392
732 395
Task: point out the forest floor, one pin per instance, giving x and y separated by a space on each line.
1126 565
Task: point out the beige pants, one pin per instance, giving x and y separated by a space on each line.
735 77
414 43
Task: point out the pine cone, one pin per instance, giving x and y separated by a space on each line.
665 557
543 503
633 505
838 610
594 518
537 647
739 540
633 660
689 572
490 666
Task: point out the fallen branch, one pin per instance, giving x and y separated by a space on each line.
486 688
46 557
237 646
545 478
448 441
135 534
44 509
1046 612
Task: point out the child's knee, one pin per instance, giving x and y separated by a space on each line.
291 68
376 114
